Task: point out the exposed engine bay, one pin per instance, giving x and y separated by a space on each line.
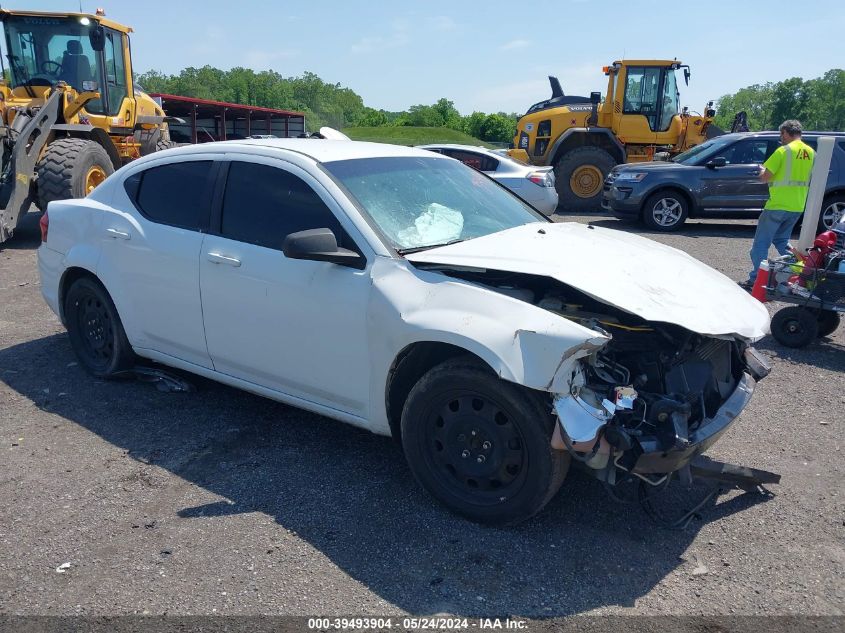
653 398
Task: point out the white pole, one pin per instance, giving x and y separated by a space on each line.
818 182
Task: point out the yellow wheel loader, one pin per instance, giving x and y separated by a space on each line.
69 112
583 138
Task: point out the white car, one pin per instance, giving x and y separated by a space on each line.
535 185
405 293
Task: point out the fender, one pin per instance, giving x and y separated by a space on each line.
521 342
552 154
93 133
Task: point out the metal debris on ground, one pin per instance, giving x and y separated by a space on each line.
164 381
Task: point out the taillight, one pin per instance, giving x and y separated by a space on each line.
540 178
44 223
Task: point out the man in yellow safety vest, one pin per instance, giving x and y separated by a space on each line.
787 171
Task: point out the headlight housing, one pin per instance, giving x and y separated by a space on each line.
630 176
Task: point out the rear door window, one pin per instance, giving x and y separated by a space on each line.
176 194
262 205
481 162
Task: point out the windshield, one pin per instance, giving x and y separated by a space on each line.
45 50
418 203
700 152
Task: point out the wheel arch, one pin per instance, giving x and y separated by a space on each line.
411 364
91 133
834 192
674 188
69 276
582 137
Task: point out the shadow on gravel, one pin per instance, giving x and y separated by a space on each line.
823 353
349 494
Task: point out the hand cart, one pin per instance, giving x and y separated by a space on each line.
817 296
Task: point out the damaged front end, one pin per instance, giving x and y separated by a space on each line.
655 397
643 398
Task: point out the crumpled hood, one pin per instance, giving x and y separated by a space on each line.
638 275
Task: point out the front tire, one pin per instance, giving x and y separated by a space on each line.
480 445
579 178
794 326
96 333
665 211
71 168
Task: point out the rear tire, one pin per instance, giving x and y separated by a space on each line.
794 326
833 209
480 445
71 168
96 333
163 144
579 178
665 211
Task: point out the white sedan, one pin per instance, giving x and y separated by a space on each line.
535 185
403 292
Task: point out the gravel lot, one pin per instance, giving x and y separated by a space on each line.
222 502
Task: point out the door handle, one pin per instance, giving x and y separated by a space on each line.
118 235
217 258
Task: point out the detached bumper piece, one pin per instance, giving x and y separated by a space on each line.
727 477
741 477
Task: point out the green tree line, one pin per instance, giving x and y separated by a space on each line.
818 103
323 103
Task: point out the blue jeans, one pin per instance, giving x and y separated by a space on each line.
773 227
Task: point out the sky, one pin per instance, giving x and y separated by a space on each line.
491 56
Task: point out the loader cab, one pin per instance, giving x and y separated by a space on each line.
650 101
81 51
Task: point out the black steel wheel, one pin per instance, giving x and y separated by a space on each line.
794 326
480 445
828 321
95 331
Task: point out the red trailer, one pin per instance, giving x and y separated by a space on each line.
207 121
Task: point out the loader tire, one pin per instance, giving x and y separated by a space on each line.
163 144
579 178
71 168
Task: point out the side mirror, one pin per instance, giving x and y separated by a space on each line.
719 161
320 245
97 38
595 97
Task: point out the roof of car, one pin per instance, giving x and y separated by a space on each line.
775 133
320 150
